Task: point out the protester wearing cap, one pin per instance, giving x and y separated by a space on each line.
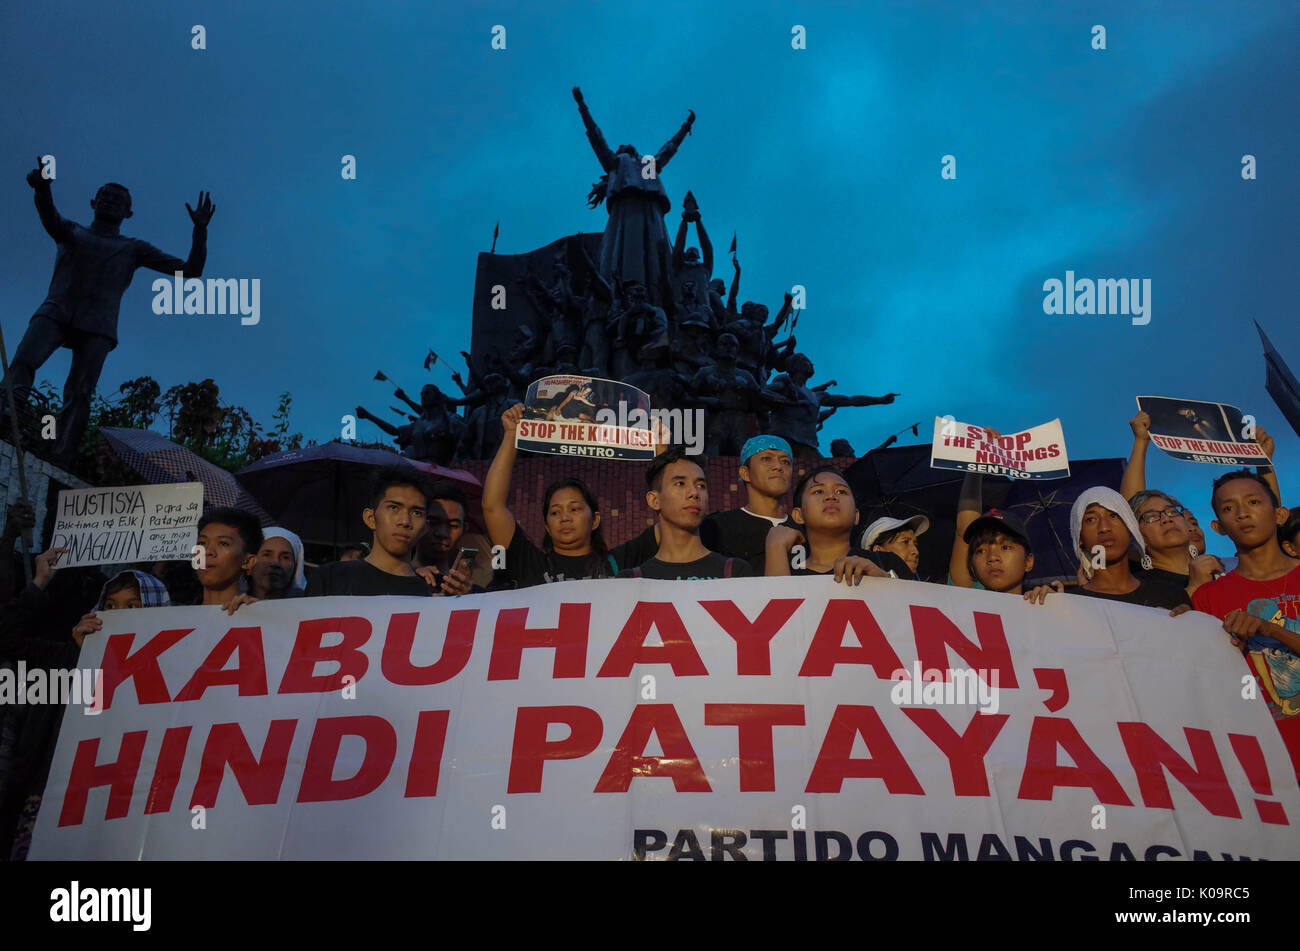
1105 531
998 554
897 535
765 471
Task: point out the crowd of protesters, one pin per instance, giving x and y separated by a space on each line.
1137 545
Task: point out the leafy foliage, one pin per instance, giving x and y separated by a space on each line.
226 435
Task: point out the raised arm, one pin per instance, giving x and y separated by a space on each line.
1268 473
598 144
496 484
401 395
58 227
781 316
155 260
670 147
968 509
363 413
706 246
1135 471
679 245
838 399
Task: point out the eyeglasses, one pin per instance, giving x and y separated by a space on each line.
1146 518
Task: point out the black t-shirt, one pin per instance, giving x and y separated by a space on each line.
739 534
1150 594
634 553
712 565
886 560
528 565
361 577
1160 576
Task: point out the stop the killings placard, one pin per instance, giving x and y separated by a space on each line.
569 415
1037 453
1196 431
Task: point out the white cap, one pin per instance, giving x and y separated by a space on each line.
918 524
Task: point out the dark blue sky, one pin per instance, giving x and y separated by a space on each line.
826 161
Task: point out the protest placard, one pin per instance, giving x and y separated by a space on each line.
1037 453
128 523
1197 431
568 415
765 718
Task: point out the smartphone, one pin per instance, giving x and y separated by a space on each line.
466 557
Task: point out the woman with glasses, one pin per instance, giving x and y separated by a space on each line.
1171 557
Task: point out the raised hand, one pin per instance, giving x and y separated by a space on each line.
34 177
510 418
203 214
88 624
46 562
1141 426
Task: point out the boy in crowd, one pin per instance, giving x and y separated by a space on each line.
230 539
1259 600
452 501
396 515
826 513
1105 533
897 535
678 493
765 471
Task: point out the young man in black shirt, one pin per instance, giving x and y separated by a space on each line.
1104 529
826 513
397 515
765 470
679 493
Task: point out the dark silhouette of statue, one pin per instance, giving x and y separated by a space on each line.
692 266
433 435
693 346
799 417
739 398
841 449
635 244
756 335
556 301
483 430
637 325
92 269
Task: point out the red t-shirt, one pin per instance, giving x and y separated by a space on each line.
1275 666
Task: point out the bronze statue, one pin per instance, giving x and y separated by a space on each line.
797 419
92 269
739 399
432 436
692 266
635 245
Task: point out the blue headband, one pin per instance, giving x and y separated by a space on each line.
756 444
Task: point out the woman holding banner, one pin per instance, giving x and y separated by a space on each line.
572 546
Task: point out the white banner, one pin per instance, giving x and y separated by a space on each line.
1036 453
749 718
127 524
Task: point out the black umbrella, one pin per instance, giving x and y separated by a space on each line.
160 461
319 491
